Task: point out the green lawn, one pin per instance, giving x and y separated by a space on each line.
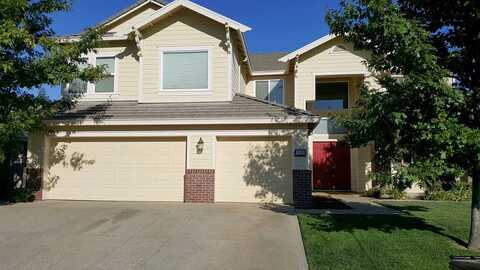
423 238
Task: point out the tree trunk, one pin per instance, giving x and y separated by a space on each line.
474 241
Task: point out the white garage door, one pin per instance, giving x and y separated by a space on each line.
254 169
116 169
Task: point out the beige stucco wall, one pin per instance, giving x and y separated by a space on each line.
322 61
185 28
36 150
204 159
288 86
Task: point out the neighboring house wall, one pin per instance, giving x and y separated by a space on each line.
185 29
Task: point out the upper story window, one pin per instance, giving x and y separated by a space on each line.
329 96
78 86
270 90
107 84
185 69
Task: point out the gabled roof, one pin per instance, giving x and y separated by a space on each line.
138 4
173 6
241 107
307 48
268 62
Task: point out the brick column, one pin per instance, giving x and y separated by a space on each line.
199 186
302 188
34 182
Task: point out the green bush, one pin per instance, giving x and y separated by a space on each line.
22 195
386 193
461 191
375 192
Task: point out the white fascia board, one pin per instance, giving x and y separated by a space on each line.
225 121
194 7
307 48
104 38
133 10
171 133
269 72
245 48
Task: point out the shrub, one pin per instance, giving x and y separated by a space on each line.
461 191
386 192
22 195
375 192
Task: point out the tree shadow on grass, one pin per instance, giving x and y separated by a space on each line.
406 208
382 223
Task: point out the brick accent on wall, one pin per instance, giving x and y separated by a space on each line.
199 186
34 182
302 188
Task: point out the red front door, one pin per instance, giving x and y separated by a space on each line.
331 166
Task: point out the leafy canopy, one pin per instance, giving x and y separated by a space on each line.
417 118
31 57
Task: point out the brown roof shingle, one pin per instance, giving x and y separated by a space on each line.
267 61
242 106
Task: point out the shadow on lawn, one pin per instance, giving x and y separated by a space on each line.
407 208
383 223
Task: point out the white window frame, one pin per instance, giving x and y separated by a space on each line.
91 87
269 81
187 91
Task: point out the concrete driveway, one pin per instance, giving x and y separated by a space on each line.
107 235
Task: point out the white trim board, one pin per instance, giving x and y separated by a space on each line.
173 133
307 48
126 13
220 121
194 7
269 73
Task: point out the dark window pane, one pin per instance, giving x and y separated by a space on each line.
331 96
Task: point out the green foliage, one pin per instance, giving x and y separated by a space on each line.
416 118
374 192
31 57
22 195
461 191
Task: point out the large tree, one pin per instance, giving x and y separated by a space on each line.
417 117
30 58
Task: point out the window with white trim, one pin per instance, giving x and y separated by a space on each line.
77 86
270 90
185 70
107 84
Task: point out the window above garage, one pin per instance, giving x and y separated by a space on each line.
185 69
270 90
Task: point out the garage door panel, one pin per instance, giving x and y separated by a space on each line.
116 169
256 169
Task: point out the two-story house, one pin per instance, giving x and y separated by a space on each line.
188 114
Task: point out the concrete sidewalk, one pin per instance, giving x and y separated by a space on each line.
359 206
